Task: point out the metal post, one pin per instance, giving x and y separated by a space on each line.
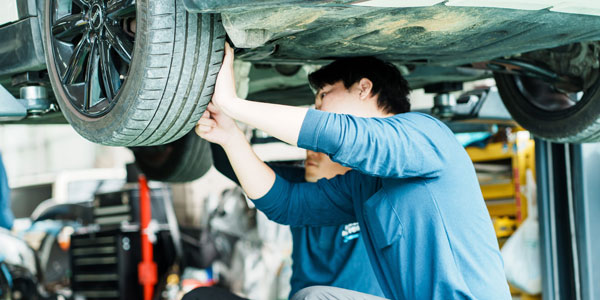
587 211
545 190
569 214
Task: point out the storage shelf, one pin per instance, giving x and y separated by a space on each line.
501 207
498 191
501 169
493 151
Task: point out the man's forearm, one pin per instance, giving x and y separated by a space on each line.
280 121
255 177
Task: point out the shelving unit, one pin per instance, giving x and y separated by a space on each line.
501 168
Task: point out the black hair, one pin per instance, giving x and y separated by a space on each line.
391 88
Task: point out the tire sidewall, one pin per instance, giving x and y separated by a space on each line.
190 158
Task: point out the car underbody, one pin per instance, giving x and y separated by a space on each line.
543 55
438 35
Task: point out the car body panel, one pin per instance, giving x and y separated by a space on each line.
430 40
436 35
22 48
451 34
214 6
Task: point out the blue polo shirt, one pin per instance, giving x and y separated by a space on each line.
321 255
414 192
328 255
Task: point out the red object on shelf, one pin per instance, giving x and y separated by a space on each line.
518 194
147 272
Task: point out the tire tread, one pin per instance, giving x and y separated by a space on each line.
168 106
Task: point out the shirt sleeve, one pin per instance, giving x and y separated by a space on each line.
321 203
401 146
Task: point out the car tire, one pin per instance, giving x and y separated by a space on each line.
183 160
151 87
578 122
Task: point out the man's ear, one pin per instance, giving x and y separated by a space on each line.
366 86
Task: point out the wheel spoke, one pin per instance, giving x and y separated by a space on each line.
76 62
90 80
67 27
108 75
81 3
120 8
120 42
92 50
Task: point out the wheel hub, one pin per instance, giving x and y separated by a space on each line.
92 50
96 17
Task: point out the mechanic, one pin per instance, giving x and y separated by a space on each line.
6 215
322 255
412 186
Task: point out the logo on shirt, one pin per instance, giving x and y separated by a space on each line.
350 232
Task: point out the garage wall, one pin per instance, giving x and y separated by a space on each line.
40 149
31 150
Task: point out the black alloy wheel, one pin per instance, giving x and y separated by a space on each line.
93 48
131 72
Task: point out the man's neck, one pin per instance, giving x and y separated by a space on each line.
372 110
374 113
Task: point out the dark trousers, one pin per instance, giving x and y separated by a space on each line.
211 293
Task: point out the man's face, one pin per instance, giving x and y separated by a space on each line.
319 165
337 99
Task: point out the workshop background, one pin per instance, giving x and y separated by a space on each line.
88 225
254 255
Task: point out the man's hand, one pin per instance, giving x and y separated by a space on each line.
254 175
282 122
225 95
216 127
